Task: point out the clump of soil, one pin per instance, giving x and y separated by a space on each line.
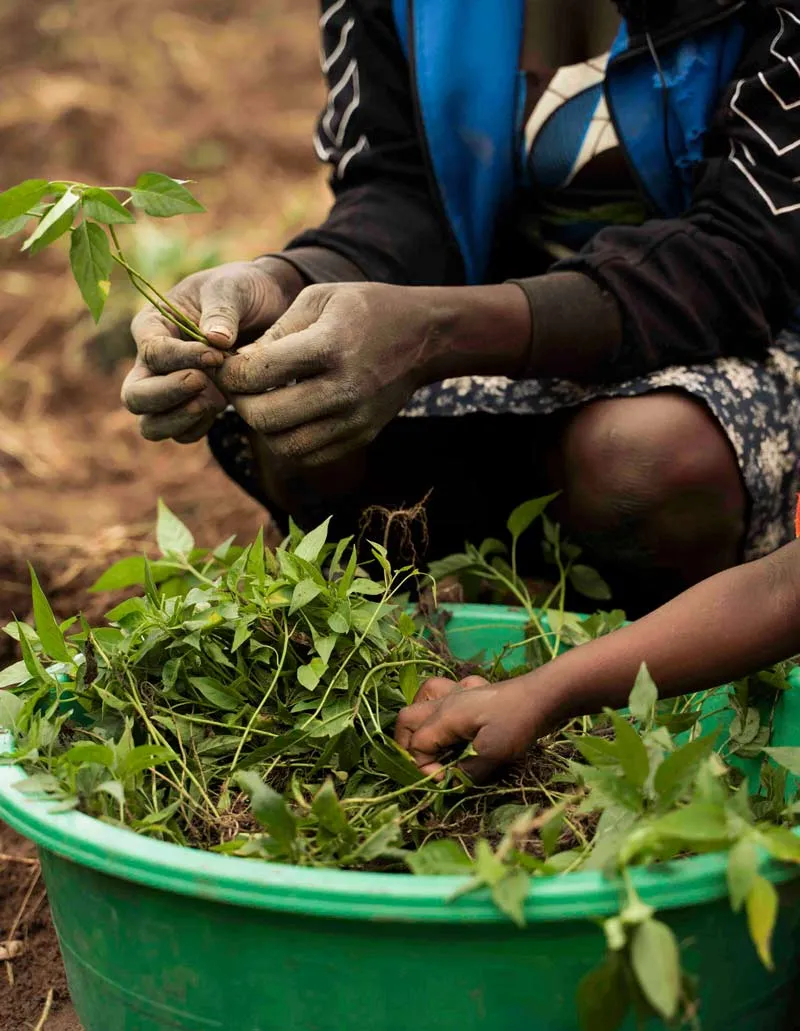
36 969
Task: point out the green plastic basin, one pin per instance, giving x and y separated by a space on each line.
155 936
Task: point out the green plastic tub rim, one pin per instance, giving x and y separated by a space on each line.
231 880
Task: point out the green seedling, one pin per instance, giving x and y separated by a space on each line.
91 217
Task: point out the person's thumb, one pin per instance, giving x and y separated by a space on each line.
221 309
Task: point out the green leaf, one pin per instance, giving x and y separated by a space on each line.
598 751
21 198
150 588
632 752
46 625
13 226
391 760
678 770
409 682
310 674
83 752
789 758
304 592
172 536
15 674
312 543
255 565
697 823
338 622
53 232
160 196
551 832
781 843
64 208
129 572
510 893
334 719
10 707
443 858
450 565
742 871
762 913
270 809
215 693
114 789
104 207
242 633
643 697
328 810
604 997
29 656
144 757
491 546
324 645
745 731
489 867
589 583
380 842
525 514
656 962
368 587
501 819
90 260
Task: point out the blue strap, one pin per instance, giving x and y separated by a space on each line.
466 58
696 72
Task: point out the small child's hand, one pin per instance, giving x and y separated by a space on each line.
496 718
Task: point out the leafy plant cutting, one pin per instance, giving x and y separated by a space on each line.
91 216
243 701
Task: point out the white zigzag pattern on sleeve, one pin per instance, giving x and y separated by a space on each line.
740 155
330 138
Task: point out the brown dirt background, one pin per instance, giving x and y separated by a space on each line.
221 91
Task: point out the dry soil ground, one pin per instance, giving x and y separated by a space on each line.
98 91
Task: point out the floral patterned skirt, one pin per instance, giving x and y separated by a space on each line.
757 404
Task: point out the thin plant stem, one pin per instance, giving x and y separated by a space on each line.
179 318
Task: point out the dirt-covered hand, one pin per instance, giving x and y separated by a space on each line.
500 720
170 386
339 365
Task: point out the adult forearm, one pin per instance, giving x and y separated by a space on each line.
559 325
735 623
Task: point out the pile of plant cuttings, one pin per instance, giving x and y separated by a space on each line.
244 702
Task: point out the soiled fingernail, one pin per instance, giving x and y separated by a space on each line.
212 359
221 331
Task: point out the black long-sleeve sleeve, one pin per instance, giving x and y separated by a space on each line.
386 218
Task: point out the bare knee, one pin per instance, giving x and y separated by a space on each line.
655 475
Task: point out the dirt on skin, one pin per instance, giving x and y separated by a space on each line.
100 91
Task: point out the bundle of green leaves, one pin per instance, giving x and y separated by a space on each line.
244 701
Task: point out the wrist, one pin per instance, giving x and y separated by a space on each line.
288 279
475 331
544 700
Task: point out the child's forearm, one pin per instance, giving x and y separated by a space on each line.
735 623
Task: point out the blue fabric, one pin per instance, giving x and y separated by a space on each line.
559 142
696 72
400 10
466 64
